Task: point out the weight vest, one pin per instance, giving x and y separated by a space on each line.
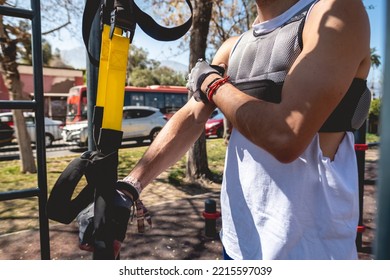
258 66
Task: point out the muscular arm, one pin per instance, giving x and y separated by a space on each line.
177 136
336 45
180 132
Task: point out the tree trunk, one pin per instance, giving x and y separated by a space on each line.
27 161
197 165
12 81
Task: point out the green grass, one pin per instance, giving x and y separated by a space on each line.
21 214
372 138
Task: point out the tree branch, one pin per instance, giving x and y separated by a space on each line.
56 29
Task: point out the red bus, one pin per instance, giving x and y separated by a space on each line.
169 99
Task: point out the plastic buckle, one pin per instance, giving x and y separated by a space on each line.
127 26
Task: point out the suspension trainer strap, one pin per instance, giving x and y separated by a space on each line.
145 22
118 23
108 222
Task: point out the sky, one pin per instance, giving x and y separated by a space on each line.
170 51
378 23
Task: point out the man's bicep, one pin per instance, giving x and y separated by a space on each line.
336 41
329 61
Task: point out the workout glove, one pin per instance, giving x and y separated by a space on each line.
198 74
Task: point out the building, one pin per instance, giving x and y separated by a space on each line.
56 84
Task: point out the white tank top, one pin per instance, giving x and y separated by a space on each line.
307 209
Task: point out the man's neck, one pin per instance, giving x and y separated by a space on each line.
269 9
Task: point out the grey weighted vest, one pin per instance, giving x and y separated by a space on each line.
259 64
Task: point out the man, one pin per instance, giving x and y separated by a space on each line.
294 93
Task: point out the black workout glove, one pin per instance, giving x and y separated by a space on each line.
198 74
118 221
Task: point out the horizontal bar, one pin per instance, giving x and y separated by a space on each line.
19 194
17 104
16 12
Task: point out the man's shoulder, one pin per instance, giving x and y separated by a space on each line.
340 15
341 7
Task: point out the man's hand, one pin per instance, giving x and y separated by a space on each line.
118 222
198 74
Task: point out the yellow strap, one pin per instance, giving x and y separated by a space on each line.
112 77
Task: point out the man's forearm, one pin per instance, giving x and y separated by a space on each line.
171 144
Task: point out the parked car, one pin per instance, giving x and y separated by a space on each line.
214 125
53 128
6 134
139 123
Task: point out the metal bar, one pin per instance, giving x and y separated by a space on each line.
19 194
40 128
92 77
15 12
382 240
373 144
17 104
360 138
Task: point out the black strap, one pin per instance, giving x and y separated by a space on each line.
90 10
146 23
158 32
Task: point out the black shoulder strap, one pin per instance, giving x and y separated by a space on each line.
146 23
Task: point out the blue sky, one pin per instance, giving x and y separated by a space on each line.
377 21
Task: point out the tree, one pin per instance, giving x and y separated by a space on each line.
10 39
142 71
25 56
197 165
229 18
141 77
374 115
166 76
15 43
47 54
375 63
375 58
158 76
375 107
138 58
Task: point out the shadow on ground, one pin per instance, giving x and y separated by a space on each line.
178 233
